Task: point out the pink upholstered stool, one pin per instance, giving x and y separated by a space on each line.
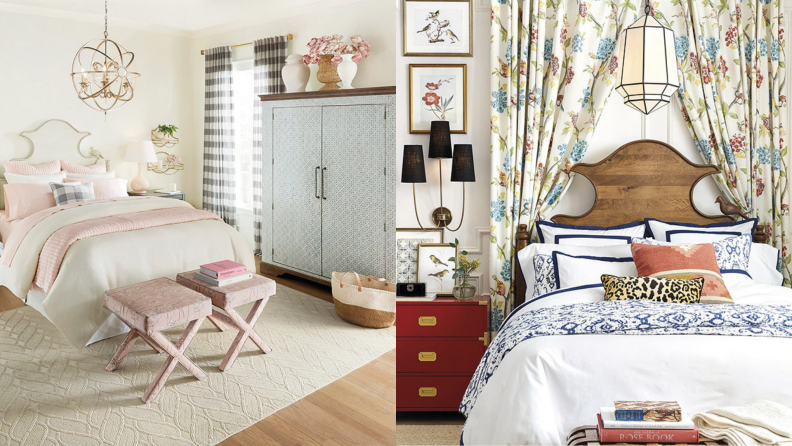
150 307
256 289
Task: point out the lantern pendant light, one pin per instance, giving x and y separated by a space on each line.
648 74
103 73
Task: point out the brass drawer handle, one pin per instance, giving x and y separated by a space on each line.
427 356
427 321
427 391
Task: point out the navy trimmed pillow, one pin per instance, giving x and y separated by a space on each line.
72 192
689 233
559 234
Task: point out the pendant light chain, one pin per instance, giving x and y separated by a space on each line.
106 19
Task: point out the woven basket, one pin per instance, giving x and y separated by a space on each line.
327 73
364 300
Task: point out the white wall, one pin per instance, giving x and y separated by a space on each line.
372 19
37 54
474 234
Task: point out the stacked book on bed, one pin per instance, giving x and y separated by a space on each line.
645 422
223 273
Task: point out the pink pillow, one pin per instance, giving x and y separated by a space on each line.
49 168
104 187
22 199
99 167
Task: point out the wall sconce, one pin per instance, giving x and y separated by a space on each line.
462 170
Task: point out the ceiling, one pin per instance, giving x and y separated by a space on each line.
189 16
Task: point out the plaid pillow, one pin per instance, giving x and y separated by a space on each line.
72 192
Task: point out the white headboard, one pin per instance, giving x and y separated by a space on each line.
54 139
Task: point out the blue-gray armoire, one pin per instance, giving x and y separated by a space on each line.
328 183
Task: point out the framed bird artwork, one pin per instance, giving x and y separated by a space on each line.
434 268
438 28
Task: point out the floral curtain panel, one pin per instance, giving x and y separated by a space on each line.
554 66
731 58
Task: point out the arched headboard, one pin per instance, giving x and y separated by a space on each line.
54 139
641 179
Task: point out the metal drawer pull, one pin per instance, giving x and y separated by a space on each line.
427 356
427 321
316 182
427 391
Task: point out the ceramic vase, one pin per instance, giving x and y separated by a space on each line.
327 73
347 70
295 74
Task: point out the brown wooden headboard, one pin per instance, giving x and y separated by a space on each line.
641 179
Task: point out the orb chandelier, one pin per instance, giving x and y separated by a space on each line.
103 74
648 73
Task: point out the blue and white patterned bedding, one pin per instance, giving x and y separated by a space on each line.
627 318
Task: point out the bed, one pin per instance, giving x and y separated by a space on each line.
557 359
61 260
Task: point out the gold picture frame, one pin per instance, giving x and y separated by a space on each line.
442 28
417 232
422 112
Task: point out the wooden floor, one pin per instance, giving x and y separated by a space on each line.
358 409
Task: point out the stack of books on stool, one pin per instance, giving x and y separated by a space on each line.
645 422
222 273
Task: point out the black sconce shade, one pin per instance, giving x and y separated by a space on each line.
413 170
462 167
440 140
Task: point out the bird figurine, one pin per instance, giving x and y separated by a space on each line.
452 36
730 208
436 261
440 274
433 15
425 29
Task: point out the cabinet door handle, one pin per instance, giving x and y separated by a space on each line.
323 191
316 182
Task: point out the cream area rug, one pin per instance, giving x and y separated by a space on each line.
428 434
51 394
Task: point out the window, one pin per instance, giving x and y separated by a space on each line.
244 98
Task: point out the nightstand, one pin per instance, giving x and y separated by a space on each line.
439 344
151 193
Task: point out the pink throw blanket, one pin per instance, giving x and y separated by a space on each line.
59 242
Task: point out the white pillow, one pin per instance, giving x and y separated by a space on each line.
576 271
690 233
559 234
14 178
108 174
525 258
763 264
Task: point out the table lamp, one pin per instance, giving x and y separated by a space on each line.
141 152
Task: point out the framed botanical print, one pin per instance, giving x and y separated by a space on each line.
438 92
438 28
434 269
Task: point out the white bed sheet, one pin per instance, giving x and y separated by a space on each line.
547 386
5 227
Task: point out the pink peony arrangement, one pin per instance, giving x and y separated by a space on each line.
334 45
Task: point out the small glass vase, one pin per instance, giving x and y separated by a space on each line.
463 290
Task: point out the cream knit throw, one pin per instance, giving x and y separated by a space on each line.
761 422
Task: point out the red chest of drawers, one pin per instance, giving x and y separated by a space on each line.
439 344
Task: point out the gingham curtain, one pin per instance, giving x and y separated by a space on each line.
270 57
218 180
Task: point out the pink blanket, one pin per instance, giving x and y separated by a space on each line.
59 242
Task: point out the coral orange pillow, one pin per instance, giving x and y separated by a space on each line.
49 168
683 262
99 167
24 199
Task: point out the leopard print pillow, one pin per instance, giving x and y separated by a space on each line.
682 291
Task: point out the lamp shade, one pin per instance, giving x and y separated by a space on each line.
440 140
648 72
140 152
462 166
413 170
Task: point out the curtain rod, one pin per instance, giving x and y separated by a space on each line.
288 37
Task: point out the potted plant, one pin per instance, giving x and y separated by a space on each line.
462 269
164 135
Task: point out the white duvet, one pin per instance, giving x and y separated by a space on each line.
93 265
546 386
